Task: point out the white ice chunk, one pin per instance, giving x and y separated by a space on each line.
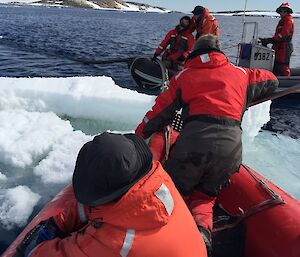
277 158
78 97
16 205
254 119
27 136
2 177
59 165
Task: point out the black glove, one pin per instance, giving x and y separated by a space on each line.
266 41
45 230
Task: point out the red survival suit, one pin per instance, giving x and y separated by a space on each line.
214 95
282 44
151 219
206 24
176 47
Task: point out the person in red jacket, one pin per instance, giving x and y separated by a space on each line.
126 205
176 45
204 23
282 41
213 95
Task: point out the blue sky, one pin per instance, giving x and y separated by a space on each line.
221 5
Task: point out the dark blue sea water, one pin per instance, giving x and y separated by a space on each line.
46 42
40 41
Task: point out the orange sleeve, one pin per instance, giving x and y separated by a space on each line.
164 43
261 84
162 112
210 26
70 219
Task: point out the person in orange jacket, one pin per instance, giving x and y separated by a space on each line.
177 45
127 205
282 41
204 22
213 95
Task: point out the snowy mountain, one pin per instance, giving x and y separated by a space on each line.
95 4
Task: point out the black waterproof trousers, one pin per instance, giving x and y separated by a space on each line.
204 157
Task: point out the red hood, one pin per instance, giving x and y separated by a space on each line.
210 60
207 15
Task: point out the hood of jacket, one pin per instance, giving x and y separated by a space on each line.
208 60
140 208
206 15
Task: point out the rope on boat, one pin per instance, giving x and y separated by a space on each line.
271 202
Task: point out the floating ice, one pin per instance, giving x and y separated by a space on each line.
39 142
16 205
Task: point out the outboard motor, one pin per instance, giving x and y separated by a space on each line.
148 73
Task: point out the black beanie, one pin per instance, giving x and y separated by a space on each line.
198 10
109 166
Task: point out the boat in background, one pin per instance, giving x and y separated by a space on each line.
151 75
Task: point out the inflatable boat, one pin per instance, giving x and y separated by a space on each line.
294 79
252 217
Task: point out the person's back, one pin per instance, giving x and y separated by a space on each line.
149 219
218 88
209 85
204 22
213 95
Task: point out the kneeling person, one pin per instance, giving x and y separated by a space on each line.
176 45
127 206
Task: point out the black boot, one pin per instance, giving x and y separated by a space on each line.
207 240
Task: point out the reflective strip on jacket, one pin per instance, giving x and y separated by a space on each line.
282 45
211 87
151 219
179 45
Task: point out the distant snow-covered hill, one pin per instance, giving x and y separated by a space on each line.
95 4
146 7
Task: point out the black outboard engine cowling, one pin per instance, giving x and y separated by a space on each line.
147 73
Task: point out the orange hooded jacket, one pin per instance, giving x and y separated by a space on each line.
151 219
